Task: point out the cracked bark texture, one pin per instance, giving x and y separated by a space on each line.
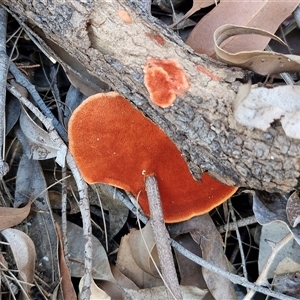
201 123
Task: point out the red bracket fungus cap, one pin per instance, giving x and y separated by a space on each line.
114 143
164 79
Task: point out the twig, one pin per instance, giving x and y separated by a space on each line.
3 78
238 238
82 190
162 238
240 223
64 228
22 80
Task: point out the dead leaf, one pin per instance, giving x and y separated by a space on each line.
11 216
116 290
110 198
264 14
288 283
96 292
139 250
66 282
258 107
101 267
205 234
272 234
269 208
12 112
127 265
197 5
293 209
40 223
41 145
190 272
23 250
261 62
287 265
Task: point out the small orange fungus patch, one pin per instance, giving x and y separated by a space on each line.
124 16
114 143
208 73
156 37
164 80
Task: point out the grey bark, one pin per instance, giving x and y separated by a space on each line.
201 124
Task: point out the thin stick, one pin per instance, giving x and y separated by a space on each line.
240 223
238 238
3 78
162 238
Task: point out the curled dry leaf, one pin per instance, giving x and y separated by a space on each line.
258 107
264 14
261 62
11 216
24 253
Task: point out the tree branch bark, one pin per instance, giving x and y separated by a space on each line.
201 123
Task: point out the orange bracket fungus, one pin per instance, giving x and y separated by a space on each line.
114 143
164 79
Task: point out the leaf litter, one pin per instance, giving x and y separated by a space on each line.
134 275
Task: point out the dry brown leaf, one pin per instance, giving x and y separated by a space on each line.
262 62
190 272
101 267
11 216
264 14
205 234
23 250
111 199
113 289
96 292
127 265
66 282
139 250
197 5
